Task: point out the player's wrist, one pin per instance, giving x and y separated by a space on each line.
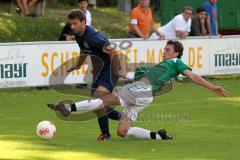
213 87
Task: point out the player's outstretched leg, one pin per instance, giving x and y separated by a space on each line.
95 104
62 107
88 105
125 130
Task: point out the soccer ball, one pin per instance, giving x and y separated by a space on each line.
45 130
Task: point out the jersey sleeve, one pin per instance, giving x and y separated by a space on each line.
134 17
99 41
178 24
181 67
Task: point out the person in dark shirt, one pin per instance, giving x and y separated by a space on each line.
106 64
199 23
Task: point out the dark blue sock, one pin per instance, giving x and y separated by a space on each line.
113 114
103 124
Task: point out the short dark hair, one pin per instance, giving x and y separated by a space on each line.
76 14
201 9
177 46
81 1
187 8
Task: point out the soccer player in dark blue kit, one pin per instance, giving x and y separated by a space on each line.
106 65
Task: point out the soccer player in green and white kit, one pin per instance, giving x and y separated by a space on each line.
148 80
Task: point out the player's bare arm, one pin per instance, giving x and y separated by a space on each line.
155 29
138 32
203 28
116 66
202 82
79 63
208 25
181 34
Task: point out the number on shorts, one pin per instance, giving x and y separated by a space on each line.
139 88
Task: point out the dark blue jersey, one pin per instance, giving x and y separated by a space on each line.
92 43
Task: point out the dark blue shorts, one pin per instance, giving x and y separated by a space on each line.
105 79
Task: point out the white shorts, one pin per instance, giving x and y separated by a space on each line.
134 97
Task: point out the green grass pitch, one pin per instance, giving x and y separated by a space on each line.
205 126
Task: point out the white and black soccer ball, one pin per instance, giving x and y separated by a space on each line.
45 130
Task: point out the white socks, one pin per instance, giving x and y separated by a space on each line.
140 133
89 105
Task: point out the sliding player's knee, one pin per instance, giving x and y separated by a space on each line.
122 132
101 112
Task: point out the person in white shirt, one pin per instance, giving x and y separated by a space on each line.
67 33
178 27
82 5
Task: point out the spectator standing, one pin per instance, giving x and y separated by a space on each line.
142 21
211 8
179 26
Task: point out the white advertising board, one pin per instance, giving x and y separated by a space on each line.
33 63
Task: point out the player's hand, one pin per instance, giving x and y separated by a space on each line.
219 35
72 69
122 74
144 37
69 37
161 36
184 35
128 80
220 91
202 20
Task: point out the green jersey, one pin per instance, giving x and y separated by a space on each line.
163 72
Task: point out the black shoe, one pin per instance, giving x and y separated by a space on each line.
51 106
164 135
103 137
60 107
